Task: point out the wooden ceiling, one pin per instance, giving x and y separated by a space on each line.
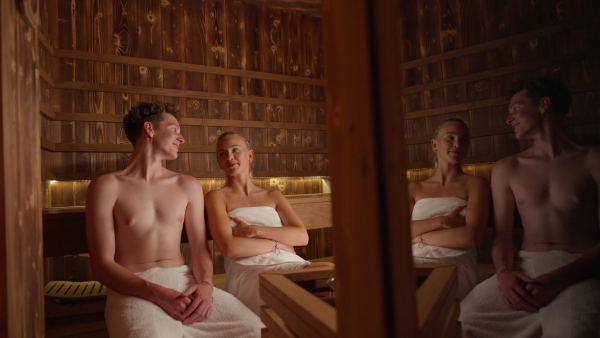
307 7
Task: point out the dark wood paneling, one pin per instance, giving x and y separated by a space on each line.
224 64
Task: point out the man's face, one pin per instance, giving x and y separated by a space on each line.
523 115
168 136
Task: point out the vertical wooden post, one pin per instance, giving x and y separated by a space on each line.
374 271
21 266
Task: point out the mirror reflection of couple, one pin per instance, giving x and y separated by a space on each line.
552 285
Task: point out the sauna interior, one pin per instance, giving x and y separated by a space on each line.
72 68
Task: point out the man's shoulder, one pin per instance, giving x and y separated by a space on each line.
508 162
108 178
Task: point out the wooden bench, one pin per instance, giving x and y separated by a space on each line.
77 308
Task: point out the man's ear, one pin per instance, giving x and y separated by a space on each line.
544 105
149 128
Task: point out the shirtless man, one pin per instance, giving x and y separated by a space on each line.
135 217
552 287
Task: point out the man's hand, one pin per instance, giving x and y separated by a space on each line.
545 288
173 302
514 294
200 307
242 229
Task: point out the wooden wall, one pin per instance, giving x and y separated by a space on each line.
21 268
461 57
225 64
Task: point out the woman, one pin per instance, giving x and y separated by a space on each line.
450 209
255 229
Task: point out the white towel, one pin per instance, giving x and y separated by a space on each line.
575 312
129 317
242 273
464 260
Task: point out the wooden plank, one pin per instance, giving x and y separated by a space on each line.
497 43
486 74
126 148
172 65
21 264
185 121
275 324
170 92
306 7
305 315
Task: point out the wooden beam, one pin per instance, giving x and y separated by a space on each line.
126 148
365 124
497 72
307 7
79 176
185 121
496 43
457 107
173 92
569 122
188 67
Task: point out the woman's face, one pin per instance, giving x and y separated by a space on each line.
233 155
451 143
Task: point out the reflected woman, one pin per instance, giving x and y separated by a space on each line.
254 228
450 209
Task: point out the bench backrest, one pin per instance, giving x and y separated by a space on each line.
64 228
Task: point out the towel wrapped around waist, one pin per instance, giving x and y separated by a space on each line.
128 316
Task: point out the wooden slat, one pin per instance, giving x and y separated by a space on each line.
185 121
316 212
496 43
308 7
304 314
434 299
71 176
275 324
171 65
569 121
126 148
497 72
173 92
456 108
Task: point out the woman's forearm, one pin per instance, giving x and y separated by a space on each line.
425 225
458 237
289 235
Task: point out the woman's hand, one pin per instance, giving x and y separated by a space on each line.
286 247
242 229
454 218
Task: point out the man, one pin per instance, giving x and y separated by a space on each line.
135 217
552 287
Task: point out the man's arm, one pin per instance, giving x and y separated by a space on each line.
512 282
202 267
100 200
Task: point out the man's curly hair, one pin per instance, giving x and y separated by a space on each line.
133 121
